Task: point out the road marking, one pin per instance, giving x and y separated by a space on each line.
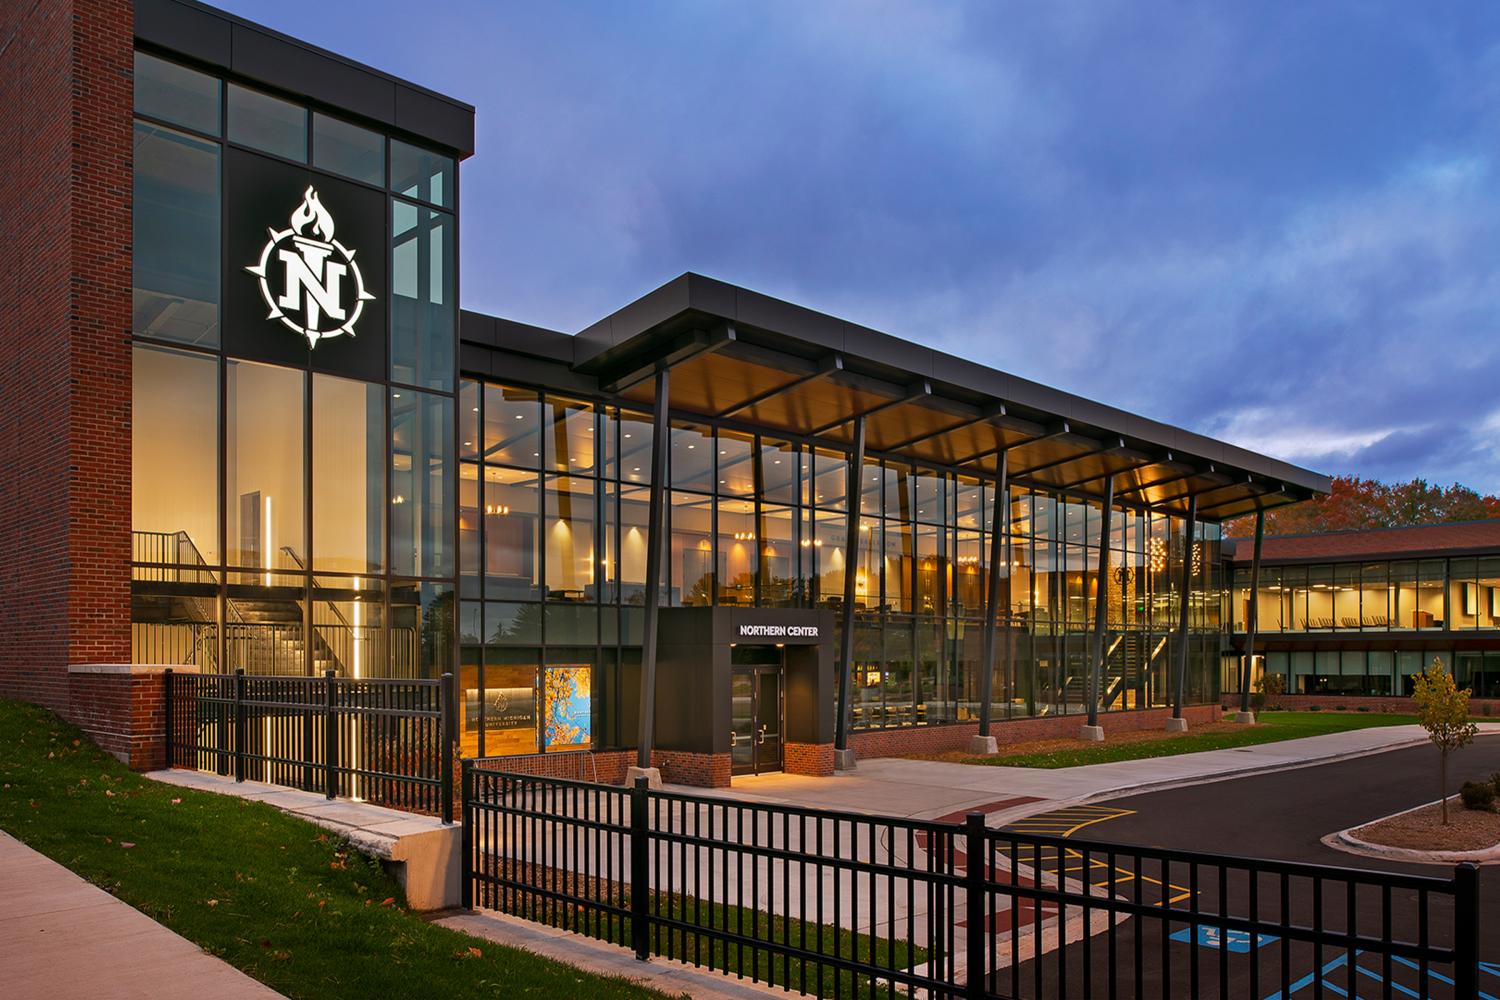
1064 823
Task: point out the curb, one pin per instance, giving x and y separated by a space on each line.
1166 784
1346 841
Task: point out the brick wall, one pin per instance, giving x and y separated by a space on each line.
65 202
704 770
814 759
123 709
608 766
1367 703
942 739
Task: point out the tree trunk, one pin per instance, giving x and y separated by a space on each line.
1443 780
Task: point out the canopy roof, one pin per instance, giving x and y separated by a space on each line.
738 355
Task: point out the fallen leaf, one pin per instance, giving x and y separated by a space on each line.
127 845
109 793
211 902
177 802
387 901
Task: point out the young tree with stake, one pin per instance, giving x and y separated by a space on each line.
1443 710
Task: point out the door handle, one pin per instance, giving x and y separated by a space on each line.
760 737
734 740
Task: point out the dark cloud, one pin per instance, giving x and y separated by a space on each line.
1279 224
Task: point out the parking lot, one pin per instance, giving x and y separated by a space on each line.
1282 817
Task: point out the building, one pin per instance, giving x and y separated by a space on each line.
247 427
1355 615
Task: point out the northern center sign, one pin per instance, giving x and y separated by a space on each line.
778 631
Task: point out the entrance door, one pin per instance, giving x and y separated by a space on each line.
755 716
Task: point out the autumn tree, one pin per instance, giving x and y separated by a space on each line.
1443 710
1356 504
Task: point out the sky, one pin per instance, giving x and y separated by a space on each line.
1277 224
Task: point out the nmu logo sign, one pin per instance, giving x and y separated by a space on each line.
309 279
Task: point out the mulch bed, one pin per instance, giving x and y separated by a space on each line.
1423 830
1054 745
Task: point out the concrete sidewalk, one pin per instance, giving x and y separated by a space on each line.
66 938
931 789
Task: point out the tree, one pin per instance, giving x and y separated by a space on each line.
1355 504
1443 710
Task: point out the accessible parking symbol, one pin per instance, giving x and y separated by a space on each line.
1231 940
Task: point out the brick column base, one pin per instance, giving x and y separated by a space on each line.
813 759
705 770
122 707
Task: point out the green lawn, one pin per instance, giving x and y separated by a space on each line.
1271 727
275 896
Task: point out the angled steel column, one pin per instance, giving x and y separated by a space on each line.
851 570
999 533
1182 615
1252 615
1101 602
655 539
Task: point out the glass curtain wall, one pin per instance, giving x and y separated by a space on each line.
286 520
553 498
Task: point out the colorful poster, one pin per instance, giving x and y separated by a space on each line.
567 723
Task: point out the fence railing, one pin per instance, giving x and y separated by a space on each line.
850 905
385 741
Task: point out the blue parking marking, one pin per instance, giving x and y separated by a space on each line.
1232 940
1487 968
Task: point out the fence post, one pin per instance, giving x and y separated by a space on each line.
466 835
640 868
447 734
330 738
239 724
166 713
1466 930
975 863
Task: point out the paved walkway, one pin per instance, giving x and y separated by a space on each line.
63 937
930 789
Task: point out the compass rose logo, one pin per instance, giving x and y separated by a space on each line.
318 291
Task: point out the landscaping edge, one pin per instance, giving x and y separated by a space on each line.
1346 841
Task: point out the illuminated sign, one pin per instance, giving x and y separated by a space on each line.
778 631
308 279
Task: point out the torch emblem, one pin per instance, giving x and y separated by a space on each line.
320 291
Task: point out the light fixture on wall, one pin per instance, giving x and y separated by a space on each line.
496 508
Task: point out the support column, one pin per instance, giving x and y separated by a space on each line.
843 757
655 539
1093 731
1252 619
1178 724
984 743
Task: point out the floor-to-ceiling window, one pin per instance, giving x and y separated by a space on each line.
294 480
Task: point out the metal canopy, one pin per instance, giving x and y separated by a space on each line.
772 366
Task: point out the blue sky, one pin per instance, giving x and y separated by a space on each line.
1275 223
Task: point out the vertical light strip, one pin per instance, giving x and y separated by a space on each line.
265 541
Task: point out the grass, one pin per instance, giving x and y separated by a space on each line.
1271 727
685 942
281 899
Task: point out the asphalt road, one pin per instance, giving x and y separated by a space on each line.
1280 816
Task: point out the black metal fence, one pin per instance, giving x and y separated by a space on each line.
850 905
385 741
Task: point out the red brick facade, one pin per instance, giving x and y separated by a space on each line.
814 759
123 709
704 770
65 188
941 739
678 767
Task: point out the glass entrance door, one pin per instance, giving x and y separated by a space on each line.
755 715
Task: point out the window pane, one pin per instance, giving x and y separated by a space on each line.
422 318
423 484
417 173
176 94
568 435
263 498
348 149
175 457
422 617
511 420
570 539
736 472
692 458
267 123
510 535
175 267
348 475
